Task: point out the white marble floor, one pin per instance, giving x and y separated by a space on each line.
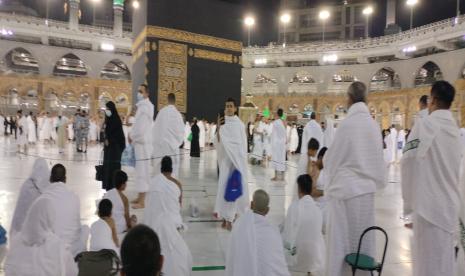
206 240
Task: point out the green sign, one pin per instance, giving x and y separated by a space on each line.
266 112
118 3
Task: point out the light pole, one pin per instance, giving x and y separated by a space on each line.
324 15
411 4
367 12
46 12
249 22
458 8
285 19
94 8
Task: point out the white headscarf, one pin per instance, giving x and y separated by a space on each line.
37 250
32 188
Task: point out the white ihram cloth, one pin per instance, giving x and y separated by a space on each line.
257 151
70 131
54 130
22 136
328 135
278 146
356 169
212 133
405 168
294 141
232 154
168 134
255 248
207 134
267 139
400 144
288 136
31 131
118 211
432 164
177 258
163 197
389 150
101 237
142 141
303 238
202 134
394 134
46 129
68 217
187 132
37 250
31 189
322 201
311 130
93 135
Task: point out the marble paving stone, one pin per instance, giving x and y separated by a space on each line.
206 240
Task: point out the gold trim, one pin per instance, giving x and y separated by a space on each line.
147 46
215 56
193 38
139 39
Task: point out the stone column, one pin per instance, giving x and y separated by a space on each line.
74 14
118 8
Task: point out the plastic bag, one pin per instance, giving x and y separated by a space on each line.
129 157
233 187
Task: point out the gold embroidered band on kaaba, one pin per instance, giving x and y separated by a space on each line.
187 37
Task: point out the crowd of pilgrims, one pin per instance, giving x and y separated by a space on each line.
342 164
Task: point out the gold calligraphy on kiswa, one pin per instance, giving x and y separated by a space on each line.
172 74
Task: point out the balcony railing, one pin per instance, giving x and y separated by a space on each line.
55 24
406 36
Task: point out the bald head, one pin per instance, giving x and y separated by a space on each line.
357 92
260 202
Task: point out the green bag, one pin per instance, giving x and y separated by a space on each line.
189 138
98 263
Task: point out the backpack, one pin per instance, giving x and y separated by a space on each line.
234 187
98 263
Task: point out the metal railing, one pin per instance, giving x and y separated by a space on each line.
425 30
55 24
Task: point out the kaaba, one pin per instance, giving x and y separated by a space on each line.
191 48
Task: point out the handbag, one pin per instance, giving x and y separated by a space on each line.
233 187
99 169
129 157
98 263
189 138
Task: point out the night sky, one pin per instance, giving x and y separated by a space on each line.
266 12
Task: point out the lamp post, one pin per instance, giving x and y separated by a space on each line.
367 12
285 19
249 22
411 4
46 12
324 15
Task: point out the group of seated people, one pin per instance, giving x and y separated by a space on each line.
47 235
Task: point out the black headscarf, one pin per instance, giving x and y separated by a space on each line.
114 127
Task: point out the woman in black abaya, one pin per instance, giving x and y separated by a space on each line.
195 146
113 146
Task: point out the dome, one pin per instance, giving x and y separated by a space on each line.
14 6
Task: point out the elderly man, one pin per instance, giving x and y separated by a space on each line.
355 168
256 247
432 163
278 146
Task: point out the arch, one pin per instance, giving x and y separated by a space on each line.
70 65
385 79
115 69
20 60
341 80
428 74
264 78
103 99
122 100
